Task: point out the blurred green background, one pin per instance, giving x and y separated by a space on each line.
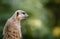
43 21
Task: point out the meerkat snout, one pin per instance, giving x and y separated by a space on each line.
21 14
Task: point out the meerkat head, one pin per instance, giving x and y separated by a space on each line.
20 14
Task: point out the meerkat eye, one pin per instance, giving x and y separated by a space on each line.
23 13
17 13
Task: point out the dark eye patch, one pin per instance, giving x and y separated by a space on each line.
23 13
17 13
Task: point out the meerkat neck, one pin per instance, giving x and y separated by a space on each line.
14 19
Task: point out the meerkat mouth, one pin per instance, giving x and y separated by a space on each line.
26 16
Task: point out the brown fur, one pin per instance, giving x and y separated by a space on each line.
12 28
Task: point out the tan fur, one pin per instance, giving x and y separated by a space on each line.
12 28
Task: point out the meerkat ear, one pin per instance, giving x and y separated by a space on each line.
17 13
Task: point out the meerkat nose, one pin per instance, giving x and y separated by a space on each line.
26 16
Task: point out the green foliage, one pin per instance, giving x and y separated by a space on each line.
43 16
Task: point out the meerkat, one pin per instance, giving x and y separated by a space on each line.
12 28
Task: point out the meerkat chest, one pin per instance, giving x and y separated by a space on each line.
18 26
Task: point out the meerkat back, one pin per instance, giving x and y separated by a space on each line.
12 28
